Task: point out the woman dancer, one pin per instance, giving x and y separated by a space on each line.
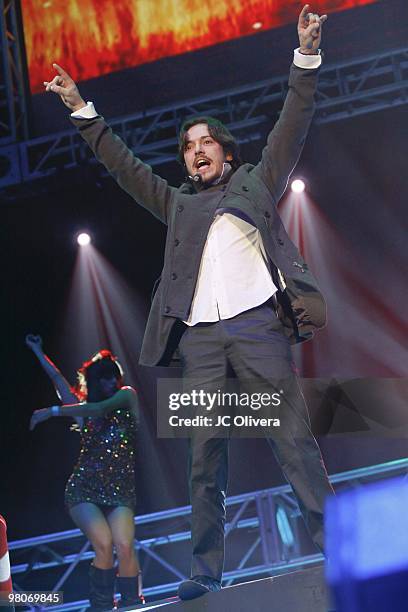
100 493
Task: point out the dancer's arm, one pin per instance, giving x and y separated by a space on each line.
125 398
61 385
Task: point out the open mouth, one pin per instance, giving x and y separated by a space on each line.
201 163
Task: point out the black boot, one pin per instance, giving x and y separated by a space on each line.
101 588
130 589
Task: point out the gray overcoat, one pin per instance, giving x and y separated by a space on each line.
188 213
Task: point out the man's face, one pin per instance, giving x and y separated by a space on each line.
202 154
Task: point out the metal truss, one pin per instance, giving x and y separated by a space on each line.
263 525
346 90
13 82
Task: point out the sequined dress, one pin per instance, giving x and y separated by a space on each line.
105 472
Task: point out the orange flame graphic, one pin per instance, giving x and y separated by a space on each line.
90 38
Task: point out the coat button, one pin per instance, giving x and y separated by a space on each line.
267 214
300 266
180 208
176 242
167 309
245 188
280 241
173 276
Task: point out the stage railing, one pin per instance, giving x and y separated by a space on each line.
270 516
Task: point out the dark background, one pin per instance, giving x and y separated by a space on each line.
357 176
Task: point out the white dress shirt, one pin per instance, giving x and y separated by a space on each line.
233 275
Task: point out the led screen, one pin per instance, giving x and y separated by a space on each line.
90 38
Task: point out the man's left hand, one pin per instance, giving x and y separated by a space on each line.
310 31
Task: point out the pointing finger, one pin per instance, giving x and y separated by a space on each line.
303 14
61 71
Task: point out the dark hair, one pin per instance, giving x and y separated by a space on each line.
218 131
101 365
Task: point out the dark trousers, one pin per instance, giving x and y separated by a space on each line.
254 345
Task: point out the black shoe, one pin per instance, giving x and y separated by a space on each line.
197 586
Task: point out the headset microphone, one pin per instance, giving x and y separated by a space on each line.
196 178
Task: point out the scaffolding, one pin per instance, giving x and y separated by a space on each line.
263 524
13 78
346 90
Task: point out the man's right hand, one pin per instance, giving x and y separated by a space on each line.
65 87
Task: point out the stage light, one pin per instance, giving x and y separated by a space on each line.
257 25
83 239
298 186
284 527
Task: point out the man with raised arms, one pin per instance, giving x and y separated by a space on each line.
234 291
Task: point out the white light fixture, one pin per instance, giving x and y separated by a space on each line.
83 239
298 186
